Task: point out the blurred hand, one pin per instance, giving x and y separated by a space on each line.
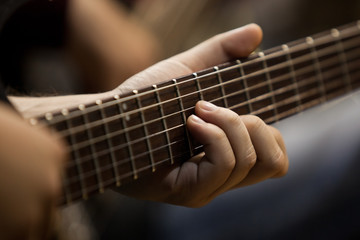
31 162
239 150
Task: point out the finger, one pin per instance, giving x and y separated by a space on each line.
238 136
271 156
237 43
219 49
217 164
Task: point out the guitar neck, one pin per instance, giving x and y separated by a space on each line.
113 141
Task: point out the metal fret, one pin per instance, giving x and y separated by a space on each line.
293 76
337 35
110 145
164 124
268 80
93 151
310 42
138 102
127 137
221 83
198 87
79 169
242 74
183 116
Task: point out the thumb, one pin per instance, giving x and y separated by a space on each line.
221 48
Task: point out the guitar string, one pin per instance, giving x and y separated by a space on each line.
346 33
112 181
77 194
268 108
78 129
84 158
80 145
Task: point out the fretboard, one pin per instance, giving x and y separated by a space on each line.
117 140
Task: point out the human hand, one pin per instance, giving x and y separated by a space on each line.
31 161
238 150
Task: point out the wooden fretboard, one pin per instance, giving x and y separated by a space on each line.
117 140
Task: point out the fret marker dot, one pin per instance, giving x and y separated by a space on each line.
65 112
285 47
98 102
309 40
82 107
48 116
33 121
335 33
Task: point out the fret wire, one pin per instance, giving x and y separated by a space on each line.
271 119
245 84
310 41
164 123
268 120
198 87
278 91
148 145
77 158
341 52
111 146
253 74
279 66
125 161
351 31
268 80
93 152
221 84
180 100
277 79
127 138
110 182
292 74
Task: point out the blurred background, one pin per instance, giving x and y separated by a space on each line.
108 41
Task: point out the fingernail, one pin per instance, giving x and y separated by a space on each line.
197 119
207 106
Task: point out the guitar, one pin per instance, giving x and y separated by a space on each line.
117 140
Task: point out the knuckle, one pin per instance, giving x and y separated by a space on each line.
277 163
251 157
234 119
219 135
256 123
